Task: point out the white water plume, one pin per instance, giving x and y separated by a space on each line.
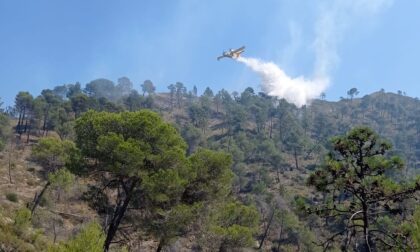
334 19
275 82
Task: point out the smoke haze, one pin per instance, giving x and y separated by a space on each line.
333 20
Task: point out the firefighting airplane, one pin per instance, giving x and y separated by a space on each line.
233 54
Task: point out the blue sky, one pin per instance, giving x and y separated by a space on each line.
47 43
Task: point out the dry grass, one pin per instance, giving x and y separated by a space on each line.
27 180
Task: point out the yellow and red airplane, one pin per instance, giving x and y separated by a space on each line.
233 54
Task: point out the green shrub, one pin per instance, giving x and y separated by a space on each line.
22 217
259 188
51 152
91 238
12 197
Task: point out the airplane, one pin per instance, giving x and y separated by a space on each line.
233 54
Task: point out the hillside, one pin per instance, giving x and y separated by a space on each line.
274 145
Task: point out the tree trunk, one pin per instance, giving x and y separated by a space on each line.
296 159
222 247
118 215
367 244
21 123
18 124
55 231
27 136
44 125
281 233
26 124
266 230
38 198
10 165
160 246
278 174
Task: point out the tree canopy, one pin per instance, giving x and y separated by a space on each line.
360 192
146 163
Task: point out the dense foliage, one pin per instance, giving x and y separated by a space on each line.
223 171
362 202
145 163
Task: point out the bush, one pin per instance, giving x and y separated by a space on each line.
22 217
52 153
259 188
91 238
17 235
12 197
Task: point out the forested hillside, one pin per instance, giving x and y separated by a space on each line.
106 167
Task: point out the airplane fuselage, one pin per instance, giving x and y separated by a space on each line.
233 54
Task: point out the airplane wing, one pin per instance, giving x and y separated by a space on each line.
220 57
240 50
